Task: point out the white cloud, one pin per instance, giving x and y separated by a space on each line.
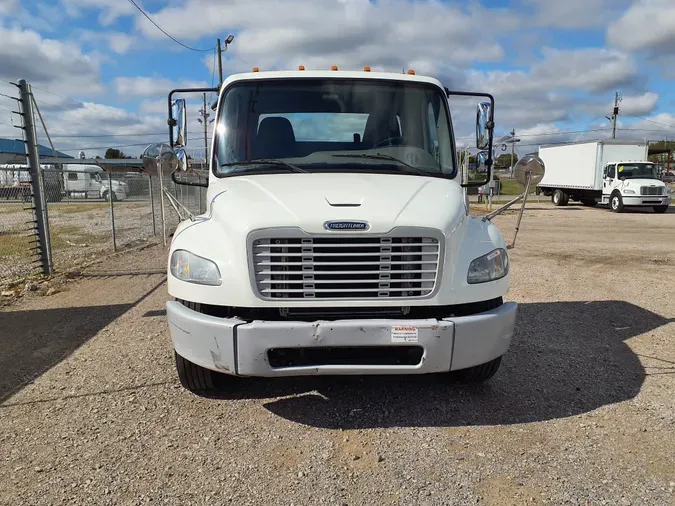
349 33
61 65
574 14
647 25
110 10
151 86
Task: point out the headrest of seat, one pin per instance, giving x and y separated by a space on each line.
277 127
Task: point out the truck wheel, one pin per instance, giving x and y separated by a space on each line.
479 373
192 376
616 202
660 209
106 196
559 198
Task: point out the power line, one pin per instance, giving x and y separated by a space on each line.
167 33
655 122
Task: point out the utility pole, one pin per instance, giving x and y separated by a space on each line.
228 41
615 113
205 115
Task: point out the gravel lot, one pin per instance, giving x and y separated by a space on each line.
582 410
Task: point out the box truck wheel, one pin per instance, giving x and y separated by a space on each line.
192 376
616 202
660 209
559 198
479 373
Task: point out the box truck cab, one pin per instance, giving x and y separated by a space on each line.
610 172
91 182
337 237
636 183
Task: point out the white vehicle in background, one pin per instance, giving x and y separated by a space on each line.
337 237
91 182
614 173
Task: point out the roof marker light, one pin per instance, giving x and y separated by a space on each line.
366 68
411 72
256 69
301 67
334 67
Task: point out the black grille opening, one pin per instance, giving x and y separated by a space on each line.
348 355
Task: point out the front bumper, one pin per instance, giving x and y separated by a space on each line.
238 347
646 200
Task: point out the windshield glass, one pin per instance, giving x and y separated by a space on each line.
637 171
334 125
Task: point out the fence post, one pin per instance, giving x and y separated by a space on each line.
112 210
152 206
37 183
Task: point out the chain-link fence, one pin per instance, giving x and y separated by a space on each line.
17 228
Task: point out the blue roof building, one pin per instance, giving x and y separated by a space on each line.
13 150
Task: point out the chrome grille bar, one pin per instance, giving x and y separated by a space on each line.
341 267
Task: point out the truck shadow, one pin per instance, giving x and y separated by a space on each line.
567 358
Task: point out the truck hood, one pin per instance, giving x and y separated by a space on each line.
632 183
385 201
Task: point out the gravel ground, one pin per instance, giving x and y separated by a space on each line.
581 412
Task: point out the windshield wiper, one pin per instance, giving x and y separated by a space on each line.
278 163
380 156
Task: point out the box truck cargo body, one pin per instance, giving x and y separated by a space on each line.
615 173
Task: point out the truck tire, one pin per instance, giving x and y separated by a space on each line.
480 372
106 196
559 198
616 202
660 209
192 376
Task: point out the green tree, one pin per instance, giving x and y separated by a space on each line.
112 153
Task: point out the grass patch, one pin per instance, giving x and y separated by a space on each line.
15 208
70 236
14 244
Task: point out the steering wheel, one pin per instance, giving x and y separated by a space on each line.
390 141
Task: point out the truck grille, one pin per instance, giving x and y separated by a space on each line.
651 190
345 267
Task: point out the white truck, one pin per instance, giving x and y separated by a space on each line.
337 237
91 182
614 173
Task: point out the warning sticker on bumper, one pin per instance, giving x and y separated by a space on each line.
404 334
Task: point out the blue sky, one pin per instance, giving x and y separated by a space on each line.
102 72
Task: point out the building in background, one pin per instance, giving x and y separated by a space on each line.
13 151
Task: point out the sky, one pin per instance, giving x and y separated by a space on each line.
101 72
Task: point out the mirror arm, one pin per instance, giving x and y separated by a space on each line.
503 208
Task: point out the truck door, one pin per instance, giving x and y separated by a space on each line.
609 180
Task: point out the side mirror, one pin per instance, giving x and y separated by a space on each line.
483 125
159 159
178 121
181 155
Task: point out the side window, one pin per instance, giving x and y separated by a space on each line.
610 171
72 176
433 131
92 175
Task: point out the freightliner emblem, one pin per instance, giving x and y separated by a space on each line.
346 225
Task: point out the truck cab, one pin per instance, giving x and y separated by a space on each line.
337 237
91 182
634 183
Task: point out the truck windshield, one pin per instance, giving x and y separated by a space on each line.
637 171
315 125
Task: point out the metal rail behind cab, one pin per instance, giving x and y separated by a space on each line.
489 124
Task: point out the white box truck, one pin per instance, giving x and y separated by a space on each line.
610 172
337 237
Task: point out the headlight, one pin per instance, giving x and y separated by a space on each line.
494 265
628 192
189 267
